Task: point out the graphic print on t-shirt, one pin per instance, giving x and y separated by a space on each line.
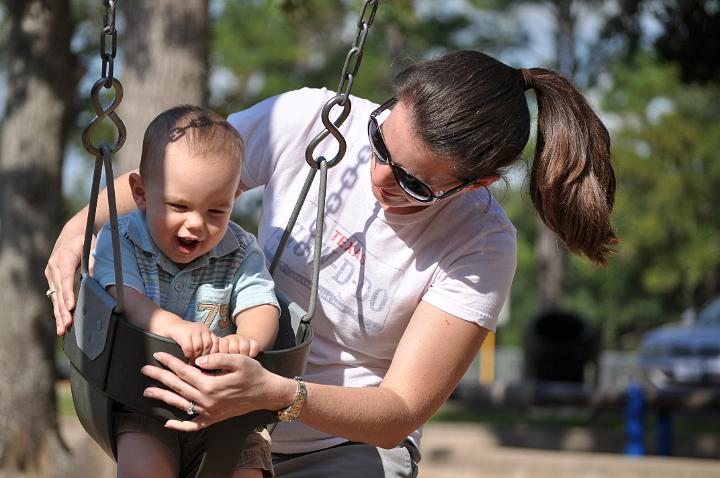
352 280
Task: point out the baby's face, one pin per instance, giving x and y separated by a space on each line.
188 201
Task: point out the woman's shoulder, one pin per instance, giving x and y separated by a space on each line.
297 104
480 224
483 212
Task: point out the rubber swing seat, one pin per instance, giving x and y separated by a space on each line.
106 353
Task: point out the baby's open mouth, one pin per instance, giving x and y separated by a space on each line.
187 246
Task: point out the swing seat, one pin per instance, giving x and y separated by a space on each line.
106 353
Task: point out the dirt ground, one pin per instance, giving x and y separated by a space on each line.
474 451
452 450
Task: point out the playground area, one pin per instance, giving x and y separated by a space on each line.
497 435
454 450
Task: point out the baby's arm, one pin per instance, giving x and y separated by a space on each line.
257 328
194 339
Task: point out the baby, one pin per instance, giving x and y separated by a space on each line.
190 274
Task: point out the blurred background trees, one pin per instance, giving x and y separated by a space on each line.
649 67
40 80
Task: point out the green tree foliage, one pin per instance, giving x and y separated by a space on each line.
274 46
666 151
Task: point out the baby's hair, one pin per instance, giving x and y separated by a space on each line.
200 130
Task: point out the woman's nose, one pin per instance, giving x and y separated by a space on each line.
382 175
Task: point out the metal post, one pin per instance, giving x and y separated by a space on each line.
663 432
635 421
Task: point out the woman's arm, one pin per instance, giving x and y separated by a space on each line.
434 352
67 252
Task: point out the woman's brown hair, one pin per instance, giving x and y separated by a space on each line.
471 109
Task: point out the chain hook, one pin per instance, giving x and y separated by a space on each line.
331 128
102 113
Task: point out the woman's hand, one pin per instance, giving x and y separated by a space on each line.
60 271
225 386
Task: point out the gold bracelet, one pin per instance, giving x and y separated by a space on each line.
293 411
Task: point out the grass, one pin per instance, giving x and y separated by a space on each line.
65 405
452 411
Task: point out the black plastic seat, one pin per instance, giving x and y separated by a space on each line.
106 354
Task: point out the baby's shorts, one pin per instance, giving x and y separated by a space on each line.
189 446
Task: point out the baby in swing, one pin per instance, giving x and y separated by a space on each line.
190 275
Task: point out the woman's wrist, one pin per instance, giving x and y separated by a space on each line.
283 391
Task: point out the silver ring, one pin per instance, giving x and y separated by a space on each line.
49 293
190 408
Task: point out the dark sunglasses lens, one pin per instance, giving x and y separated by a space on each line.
378 144
411 185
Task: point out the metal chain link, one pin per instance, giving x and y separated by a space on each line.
347 77
354 56
108 57
107 81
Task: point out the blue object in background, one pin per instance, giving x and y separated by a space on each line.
663 432
635 421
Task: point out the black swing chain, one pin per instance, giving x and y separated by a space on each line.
354 55
108 81
342 98
108 57
103 152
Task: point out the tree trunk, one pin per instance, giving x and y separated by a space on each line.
165 51
41 80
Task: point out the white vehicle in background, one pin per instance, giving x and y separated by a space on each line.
685 355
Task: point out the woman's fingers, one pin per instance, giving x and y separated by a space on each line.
172 398
197 423
221 361
182 378
62 299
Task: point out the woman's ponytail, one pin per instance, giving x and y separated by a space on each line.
572 182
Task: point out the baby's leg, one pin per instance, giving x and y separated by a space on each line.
255 460
141 455
247 473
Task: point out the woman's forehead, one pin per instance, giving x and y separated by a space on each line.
407 149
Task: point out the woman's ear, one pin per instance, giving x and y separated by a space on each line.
487 182
483 183
137 186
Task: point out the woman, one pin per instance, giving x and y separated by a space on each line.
418 257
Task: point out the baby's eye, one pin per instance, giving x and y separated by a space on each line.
177 207
217 212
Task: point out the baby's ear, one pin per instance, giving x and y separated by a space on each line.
137 186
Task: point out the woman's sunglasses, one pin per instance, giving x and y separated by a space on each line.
414 188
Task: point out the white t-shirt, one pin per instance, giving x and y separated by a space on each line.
458 255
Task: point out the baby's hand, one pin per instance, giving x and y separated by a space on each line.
237 344
194 339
